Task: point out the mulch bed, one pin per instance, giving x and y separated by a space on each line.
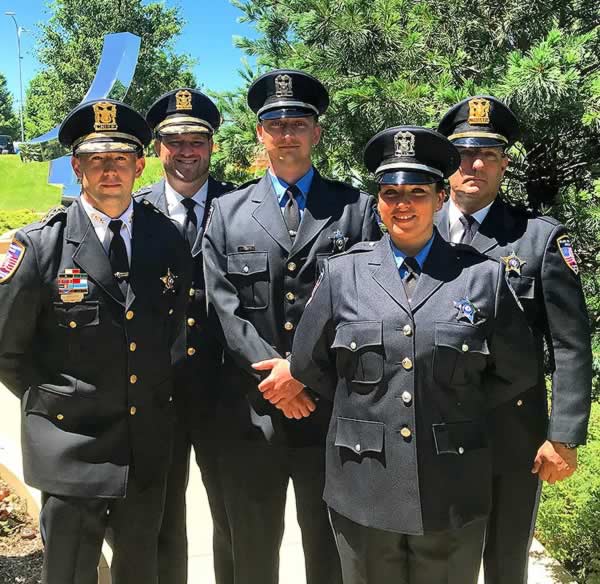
20 543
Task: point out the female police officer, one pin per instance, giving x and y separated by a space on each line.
413 338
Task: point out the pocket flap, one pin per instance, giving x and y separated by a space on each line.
458 437
524 286
81 314
247 263
464 338
358 335
359 435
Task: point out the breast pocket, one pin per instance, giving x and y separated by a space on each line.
460 353
360 354
249 272
524 287
359 439
80 321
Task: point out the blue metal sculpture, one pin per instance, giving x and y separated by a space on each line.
113 77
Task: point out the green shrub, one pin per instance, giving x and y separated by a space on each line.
569 517
15 219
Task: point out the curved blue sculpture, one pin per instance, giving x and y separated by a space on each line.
113 77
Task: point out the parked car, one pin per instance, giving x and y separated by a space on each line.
6 144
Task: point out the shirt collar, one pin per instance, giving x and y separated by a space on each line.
454 213
303 184
100 220
174 198
420 257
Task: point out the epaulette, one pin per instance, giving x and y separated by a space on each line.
54 212
359 247
150 206
248 183
142 191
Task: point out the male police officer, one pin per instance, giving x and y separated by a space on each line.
543 272
184 121
263 251
91 299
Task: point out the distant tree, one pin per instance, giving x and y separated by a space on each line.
69 48
9 123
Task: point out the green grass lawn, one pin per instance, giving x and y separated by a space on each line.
25 185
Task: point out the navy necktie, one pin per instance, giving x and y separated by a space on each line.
411 276
291 211
468 222
190 225
117 255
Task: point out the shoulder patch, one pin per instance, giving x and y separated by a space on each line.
54 212
566 251
12 260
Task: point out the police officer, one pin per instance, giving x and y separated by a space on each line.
412 338
90 302
184 121
263 250
542 269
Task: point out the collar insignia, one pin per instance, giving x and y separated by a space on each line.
513 263
479 111
283 86
405 144
183 100
466 309
168 281
105 116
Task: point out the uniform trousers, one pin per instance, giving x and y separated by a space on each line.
173 545
73 529
255 477
510 527
375 556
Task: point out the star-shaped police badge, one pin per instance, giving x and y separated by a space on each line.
513 263
338 241
168 281
466 309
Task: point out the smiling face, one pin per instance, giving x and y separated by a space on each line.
407 212
107 177
477 181
186 160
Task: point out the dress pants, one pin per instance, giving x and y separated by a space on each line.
173 545
73 529
375 556
255 477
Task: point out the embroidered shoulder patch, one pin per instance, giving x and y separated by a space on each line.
566 251
12 259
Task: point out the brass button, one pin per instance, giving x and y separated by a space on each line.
132 347
465 347
73 324
406 397
191 351
292 266
129 314
245 269
170 398
60 417
288 326
407 330
191 321
461 450
133 379
407 363
520 403
406 432
357 448
171 311
132 410
353 346
192 291
290 296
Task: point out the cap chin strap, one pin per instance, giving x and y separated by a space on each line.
109 136
479 135
183 121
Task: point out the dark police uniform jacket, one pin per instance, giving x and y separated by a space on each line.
551 296
258 282
199 354
94 376
406 449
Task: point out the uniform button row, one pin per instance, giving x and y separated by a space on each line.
132 411
133 379
292 266
290 296
192 291
288 326
407 364
132 347
406 397
191 351
191 321
129 314
405 432
407 330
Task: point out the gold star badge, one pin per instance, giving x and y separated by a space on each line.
168 281
513 263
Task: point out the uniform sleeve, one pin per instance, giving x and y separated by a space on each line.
569 345
239 337
313 362
512 348
20 306
371 231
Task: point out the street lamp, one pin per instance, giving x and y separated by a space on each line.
20 30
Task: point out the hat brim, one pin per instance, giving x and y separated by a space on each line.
404 177
286 112
478 143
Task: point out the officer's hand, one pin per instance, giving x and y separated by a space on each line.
554 462
279 385
298 407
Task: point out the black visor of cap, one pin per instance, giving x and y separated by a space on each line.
404 177
479 142
287 112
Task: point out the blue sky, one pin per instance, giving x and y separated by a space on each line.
207 37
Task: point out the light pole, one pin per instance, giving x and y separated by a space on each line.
19 29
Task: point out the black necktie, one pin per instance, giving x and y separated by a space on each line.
117 254
468 222
411 276
291 211
190 225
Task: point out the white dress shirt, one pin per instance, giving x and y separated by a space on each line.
100 223
177 211
454 214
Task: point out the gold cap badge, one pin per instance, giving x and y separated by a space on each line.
283 86
183 100
479 111
105 116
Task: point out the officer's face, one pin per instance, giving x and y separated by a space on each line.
108 177
407 212
475 184
289 141
185 157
